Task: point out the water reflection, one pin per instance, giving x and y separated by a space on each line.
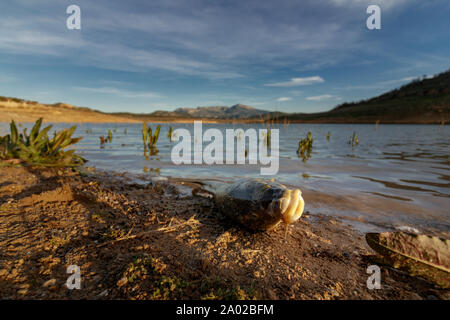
156 171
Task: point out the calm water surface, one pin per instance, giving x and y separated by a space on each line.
398 175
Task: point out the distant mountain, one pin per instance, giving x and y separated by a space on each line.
238 111
425 100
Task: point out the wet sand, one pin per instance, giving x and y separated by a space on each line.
150 241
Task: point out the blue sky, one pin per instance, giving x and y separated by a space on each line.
286 55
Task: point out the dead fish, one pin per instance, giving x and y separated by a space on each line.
418 255
259 205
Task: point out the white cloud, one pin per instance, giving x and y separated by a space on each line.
284 99
213 41
296 82
322 97
41 36
120 92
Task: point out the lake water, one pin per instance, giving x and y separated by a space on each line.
398 175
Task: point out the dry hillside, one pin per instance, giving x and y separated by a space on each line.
29 111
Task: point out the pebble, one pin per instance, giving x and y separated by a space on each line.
103 293
159 179
23 291
408 229
122 282
49 283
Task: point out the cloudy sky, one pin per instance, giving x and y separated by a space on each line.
287 55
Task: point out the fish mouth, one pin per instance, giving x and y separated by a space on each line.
291 205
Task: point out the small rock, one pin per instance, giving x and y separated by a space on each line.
25 286
122 282
103 293
49 283
22 291
159 179
408 229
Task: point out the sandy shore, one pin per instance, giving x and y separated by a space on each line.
151 242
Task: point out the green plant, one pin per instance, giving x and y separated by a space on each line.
328 136
212 288
109 135
143 271
354 141
152 139
170 134
268 137
103 140
149 138
305 147
38 149
144 134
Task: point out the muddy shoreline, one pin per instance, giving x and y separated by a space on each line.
148 241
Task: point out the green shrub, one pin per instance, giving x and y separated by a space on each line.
38 149
354 141
305 147
148 137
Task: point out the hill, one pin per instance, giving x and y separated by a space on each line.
424 100
238 111
29 111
